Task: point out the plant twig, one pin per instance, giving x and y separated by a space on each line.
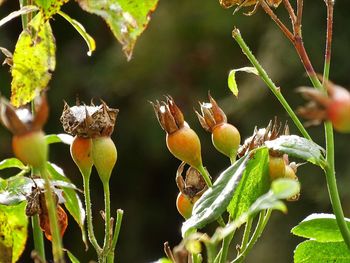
264 217
274 17
90 227
38 237
57 248
297 26
290 11
276 91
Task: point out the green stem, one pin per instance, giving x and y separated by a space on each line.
330 168
210 252
91 233
57 248
276 91
118 223
264 217
245 239
38 237
332 185
205 175
107 218
225 245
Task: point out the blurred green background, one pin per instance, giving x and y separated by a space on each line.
186 51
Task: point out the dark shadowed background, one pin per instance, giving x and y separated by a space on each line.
186 51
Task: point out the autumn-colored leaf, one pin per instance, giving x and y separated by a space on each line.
33 61
127 19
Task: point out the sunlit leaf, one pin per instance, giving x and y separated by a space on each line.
90 42
280 189
59 138
315 252
72 201
12 163
231 81
50 7
24 10
215 200
16 188
13 232
163 260
127 19
320 227
299 147
33 61
255 182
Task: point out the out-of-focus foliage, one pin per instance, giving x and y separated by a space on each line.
13 232
127 19
33 61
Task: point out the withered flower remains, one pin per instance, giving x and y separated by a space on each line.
181 140
89 121
225 136
335 107
273 130
21 120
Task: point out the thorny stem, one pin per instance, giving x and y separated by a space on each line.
276 91
264 217
38 237
274 17
110 258
107 218
299 46
91 234
330 169
290 11
57 249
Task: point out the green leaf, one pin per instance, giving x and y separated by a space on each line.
314 252
90 42
280 189
255 182
320 227
72 258
24 10
12 163
299 147
73 203
50 7
33 61
215 200
59 138
13 232
231 81
127 19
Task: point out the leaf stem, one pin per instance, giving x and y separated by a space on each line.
57 249
276 91
38 237
246 234
91 234
264 217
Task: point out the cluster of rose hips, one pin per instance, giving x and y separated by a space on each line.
184 144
